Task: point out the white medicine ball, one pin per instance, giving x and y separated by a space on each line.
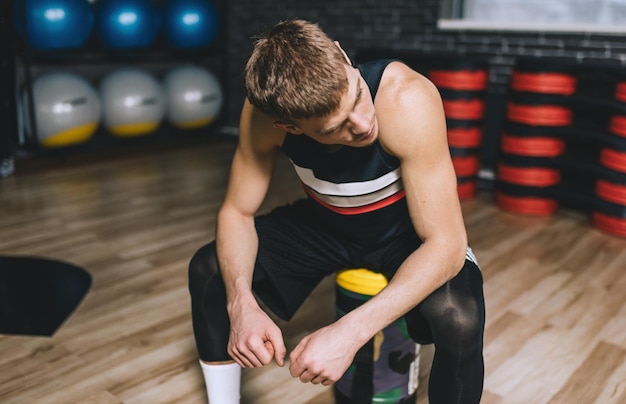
194 97
133 100
66 107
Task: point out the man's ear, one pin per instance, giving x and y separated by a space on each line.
288 127
345 55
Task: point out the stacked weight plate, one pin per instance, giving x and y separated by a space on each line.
463 86
564 142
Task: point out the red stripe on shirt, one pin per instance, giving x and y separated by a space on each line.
359 209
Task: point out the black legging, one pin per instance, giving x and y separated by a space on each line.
211 325
452 318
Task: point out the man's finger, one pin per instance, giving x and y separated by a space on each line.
318 379
261 353
295 368
241 360
306 376
247 357
278 348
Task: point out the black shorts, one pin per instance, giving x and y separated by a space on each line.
296 252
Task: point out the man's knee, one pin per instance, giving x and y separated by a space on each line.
456 314
203 268
465 321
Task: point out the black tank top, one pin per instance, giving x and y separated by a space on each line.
356 191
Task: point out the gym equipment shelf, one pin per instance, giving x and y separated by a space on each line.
93 60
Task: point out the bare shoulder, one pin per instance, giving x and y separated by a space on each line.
402 84
408 108
257 132
399 73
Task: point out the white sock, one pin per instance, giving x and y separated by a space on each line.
222 382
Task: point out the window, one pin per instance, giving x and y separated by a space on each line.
535 15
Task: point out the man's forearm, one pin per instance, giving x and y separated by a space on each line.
424 271
237 245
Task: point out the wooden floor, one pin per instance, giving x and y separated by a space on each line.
555 288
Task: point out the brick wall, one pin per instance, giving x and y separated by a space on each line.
410 24
7 105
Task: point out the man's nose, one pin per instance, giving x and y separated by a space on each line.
359 124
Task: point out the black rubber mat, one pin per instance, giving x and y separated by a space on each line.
37 294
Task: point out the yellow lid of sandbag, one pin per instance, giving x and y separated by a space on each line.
362 281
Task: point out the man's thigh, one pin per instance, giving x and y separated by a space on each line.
295 253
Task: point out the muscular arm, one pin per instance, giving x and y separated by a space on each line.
418 138
237 241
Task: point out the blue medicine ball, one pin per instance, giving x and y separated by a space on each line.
190 23
54 24
127 23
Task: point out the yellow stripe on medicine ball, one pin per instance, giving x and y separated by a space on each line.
71 136
133 129
197 123
362 281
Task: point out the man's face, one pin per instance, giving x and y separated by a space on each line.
353 123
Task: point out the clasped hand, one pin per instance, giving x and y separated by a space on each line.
320 357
